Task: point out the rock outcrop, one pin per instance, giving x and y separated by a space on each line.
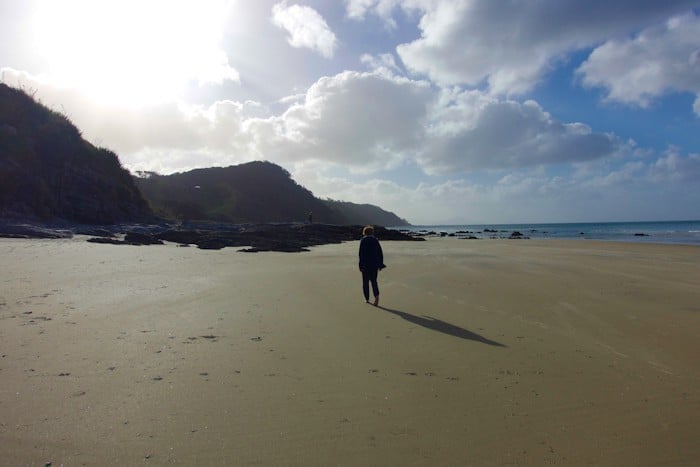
250 238
275 237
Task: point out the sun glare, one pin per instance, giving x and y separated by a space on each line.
133 52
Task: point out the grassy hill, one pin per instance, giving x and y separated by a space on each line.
254 192
49 172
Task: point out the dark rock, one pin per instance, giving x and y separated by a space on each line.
291 238
138 238
282 248
106 240
212 244
518 236
184 237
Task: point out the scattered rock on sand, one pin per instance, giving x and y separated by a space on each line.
290 237
138 238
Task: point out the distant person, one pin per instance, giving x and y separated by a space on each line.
371 261
311 218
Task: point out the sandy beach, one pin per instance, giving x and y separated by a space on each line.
482 352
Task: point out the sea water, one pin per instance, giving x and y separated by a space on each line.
677 232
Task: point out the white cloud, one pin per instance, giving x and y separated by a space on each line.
306 28
673 167
372 121
636 189
384 63
627 174
658 60
658 189
358 9
364 120
509 46
425 203
472 131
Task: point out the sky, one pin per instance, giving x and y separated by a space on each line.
441 111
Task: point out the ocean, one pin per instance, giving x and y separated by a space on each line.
676 232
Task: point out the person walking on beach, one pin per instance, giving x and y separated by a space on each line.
371 261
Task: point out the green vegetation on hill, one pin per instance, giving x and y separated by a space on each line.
254 192
363 214
49 172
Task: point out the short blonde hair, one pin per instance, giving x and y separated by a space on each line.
368 230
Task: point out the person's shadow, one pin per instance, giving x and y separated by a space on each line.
442 326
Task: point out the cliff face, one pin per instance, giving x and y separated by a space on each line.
49 172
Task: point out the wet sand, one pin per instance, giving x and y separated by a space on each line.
482 352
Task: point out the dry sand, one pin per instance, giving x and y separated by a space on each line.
486 352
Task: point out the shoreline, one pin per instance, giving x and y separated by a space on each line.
481 353
299 236
664 232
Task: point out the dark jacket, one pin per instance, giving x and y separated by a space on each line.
371 255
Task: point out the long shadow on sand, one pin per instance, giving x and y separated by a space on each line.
442 326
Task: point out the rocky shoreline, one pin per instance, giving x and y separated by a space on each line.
469 234
251 238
